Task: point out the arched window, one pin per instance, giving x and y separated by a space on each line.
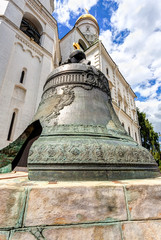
82 44
31 27
122 124
11 126
23 75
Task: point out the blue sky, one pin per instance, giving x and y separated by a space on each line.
131 33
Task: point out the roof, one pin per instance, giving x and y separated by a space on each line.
88 16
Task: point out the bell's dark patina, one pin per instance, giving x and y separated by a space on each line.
82 138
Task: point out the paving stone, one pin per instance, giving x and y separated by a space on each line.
111 232
4 235
77 204
150 230
144 201
11 206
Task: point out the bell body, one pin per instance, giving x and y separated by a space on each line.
82 138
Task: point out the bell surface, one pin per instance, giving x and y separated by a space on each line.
82 138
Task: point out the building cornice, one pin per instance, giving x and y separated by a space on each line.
32 45
92 47
28 44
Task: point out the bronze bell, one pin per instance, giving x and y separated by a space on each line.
82 137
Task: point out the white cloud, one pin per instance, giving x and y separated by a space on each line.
136 14
65 8
147 91
106 37
139 56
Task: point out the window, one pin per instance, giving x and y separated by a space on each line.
82 44
30 30
119 103
31 27
107 72
125 109
129 131
22 76
136 137
11 126
122 124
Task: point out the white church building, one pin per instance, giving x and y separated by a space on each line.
31 49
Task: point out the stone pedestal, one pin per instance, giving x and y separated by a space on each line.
114 210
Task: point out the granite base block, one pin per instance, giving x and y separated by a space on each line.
100 210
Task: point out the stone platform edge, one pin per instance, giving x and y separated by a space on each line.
120 210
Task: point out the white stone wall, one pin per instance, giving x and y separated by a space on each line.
19 52
66 44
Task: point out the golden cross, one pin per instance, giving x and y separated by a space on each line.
86 11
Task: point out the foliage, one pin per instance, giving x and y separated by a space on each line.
149 138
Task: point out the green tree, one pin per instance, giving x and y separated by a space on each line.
149 138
